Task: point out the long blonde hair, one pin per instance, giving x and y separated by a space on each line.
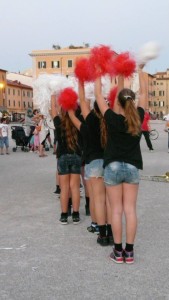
70 130
126 99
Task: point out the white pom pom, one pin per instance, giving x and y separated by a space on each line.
148 51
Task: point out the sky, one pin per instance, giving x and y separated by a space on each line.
125 25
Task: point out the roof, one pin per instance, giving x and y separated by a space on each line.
17 83
3 70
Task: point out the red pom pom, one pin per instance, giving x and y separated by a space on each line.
101 60
68 99
112 96
83 70
124 65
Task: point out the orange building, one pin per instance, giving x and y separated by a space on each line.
3 90
19 97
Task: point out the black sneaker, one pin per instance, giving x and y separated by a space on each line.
128 257
103 240
93 228
117 256
57 190
75 218
63 218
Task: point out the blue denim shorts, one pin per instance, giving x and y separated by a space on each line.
118 172
4 141
69 164
94 169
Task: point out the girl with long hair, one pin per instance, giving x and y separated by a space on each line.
96 141
122 161
69 161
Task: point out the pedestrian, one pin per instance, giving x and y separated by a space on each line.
122 161
4 140
145 127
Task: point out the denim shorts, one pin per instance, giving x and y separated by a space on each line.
94 169
118 172
4 141
69 164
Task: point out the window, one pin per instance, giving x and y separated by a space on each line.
24 93
14 103
161 103
24 104
161 93
42 64
19 104
154 82
9 102
55 64
13 92
28 94
18 92
8 91
70 64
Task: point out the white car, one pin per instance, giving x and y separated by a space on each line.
166 117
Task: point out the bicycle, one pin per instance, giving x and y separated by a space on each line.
154 134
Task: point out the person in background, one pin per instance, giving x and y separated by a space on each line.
145 127
4 140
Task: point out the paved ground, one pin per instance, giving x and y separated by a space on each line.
41 259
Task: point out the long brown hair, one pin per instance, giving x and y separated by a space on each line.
70 130
126 99
103 127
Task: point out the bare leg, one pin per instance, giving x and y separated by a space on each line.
64 195
99 196
75 191
115 198
130 192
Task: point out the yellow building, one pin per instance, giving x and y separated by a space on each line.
58 60
160 100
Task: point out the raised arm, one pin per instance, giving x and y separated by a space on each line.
103 106
120 86
143 88
74 119
54 107
83 103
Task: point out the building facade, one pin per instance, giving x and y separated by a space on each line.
19 98
160 93
57 61
3 105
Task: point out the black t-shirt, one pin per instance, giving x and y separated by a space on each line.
90 131
62 147
122 146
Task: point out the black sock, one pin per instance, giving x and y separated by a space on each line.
102 230
118 247
70 202
75 213
87 201
109 230
129 247
64 214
